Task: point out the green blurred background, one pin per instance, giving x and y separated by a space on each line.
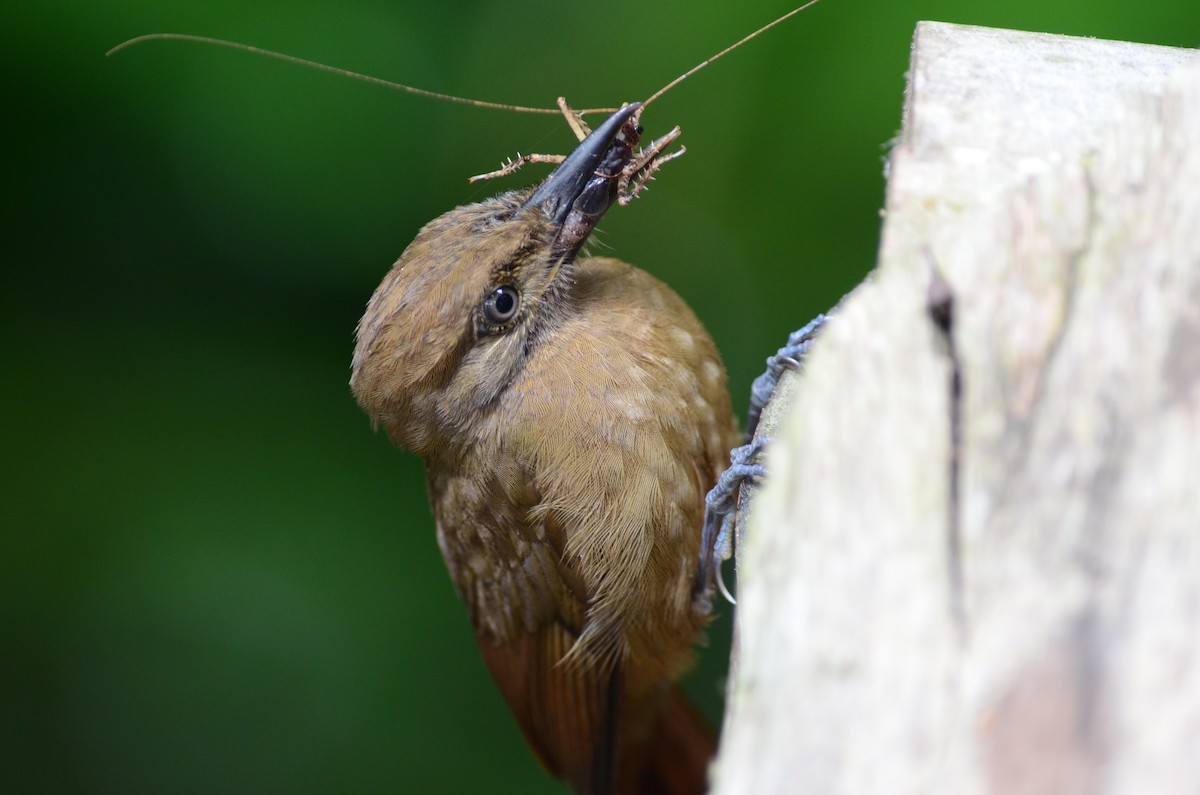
215 578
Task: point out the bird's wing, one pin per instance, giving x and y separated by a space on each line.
528 607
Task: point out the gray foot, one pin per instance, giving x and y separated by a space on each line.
720 505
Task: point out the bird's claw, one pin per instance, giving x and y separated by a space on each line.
720 509
720 505
790 356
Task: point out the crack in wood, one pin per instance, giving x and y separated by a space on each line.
940 305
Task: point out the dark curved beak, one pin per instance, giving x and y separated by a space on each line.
584 186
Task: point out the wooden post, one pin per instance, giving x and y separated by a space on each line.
975 565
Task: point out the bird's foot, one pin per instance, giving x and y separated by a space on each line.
790 356
720 505
720 510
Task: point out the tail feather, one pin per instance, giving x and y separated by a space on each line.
677 757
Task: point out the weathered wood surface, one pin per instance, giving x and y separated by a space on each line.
975 566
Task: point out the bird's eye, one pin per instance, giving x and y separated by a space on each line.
501 306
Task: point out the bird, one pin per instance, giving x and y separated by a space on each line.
571 412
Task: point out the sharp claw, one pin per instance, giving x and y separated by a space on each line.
720 507
721 587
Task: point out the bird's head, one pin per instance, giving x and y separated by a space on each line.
452 323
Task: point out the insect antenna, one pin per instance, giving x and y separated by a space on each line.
723 52
233 45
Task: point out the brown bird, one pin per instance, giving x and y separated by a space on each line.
571 414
